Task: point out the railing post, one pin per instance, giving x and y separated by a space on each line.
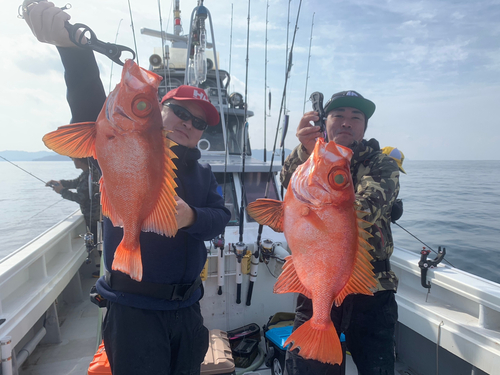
6 350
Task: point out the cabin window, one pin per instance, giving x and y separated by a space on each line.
255 187
213 140
229 195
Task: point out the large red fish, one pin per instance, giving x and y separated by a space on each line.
137 185
330 256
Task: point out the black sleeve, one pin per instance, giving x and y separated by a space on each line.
85 92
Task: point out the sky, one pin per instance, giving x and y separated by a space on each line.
431 67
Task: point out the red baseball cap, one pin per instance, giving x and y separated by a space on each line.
197 95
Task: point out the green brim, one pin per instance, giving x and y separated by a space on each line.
364 105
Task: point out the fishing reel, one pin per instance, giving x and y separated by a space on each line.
266 250
88 240
219 242
240 250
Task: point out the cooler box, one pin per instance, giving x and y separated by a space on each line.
219 359
275 338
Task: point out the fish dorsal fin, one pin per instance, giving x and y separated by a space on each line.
288 281
162 219
75 140
106 206
362 280
267 212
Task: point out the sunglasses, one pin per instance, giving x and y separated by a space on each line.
185 115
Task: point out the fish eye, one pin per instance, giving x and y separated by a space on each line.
141 107
338 178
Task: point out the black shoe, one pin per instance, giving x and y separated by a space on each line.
96 274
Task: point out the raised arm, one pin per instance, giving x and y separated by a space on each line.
85 92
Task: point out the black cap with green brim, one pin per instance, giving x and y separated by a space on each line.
350 99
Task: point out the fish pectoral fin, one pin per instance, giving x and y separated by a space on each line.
362 280
75 140
289 282
267 212
107 209
162 219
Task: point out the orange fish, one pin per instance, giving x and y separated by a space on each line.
330 257
137 184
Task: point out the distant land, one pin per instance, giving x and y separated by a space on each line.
52 156
259 154
32 156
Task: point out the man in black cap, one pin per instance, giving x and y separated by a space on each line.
368 322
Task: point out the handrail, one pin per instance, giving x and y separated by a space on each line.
32 277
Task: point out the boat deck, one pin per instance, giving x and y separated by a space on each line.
79 327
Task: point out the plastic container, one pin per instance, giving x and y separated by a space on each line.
245 353
219 359
250 331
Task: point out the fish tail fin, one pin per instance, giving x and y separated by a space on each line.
321 345
128 260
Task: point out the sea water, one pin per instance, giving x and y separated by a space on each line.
452 204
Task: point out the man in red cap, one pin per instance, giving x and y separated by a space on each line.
153 326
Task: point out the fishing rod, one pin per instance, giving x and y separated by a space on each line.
265 85
116 39
133 31
256 255
418 239
308 61
240 247
31 174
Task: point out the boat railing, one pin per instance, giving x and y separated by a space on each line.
33 277
460 312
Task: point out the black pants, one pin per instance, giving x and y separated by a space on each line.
147 342
368 323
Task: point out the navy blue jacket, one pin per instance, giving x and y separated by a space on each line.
177 260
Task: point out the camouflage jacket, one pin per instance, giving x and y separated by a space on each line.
82 197
376 184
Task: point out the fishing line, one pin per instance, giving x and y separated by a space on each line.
23 170
133 30
45 209
116 39
430 248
